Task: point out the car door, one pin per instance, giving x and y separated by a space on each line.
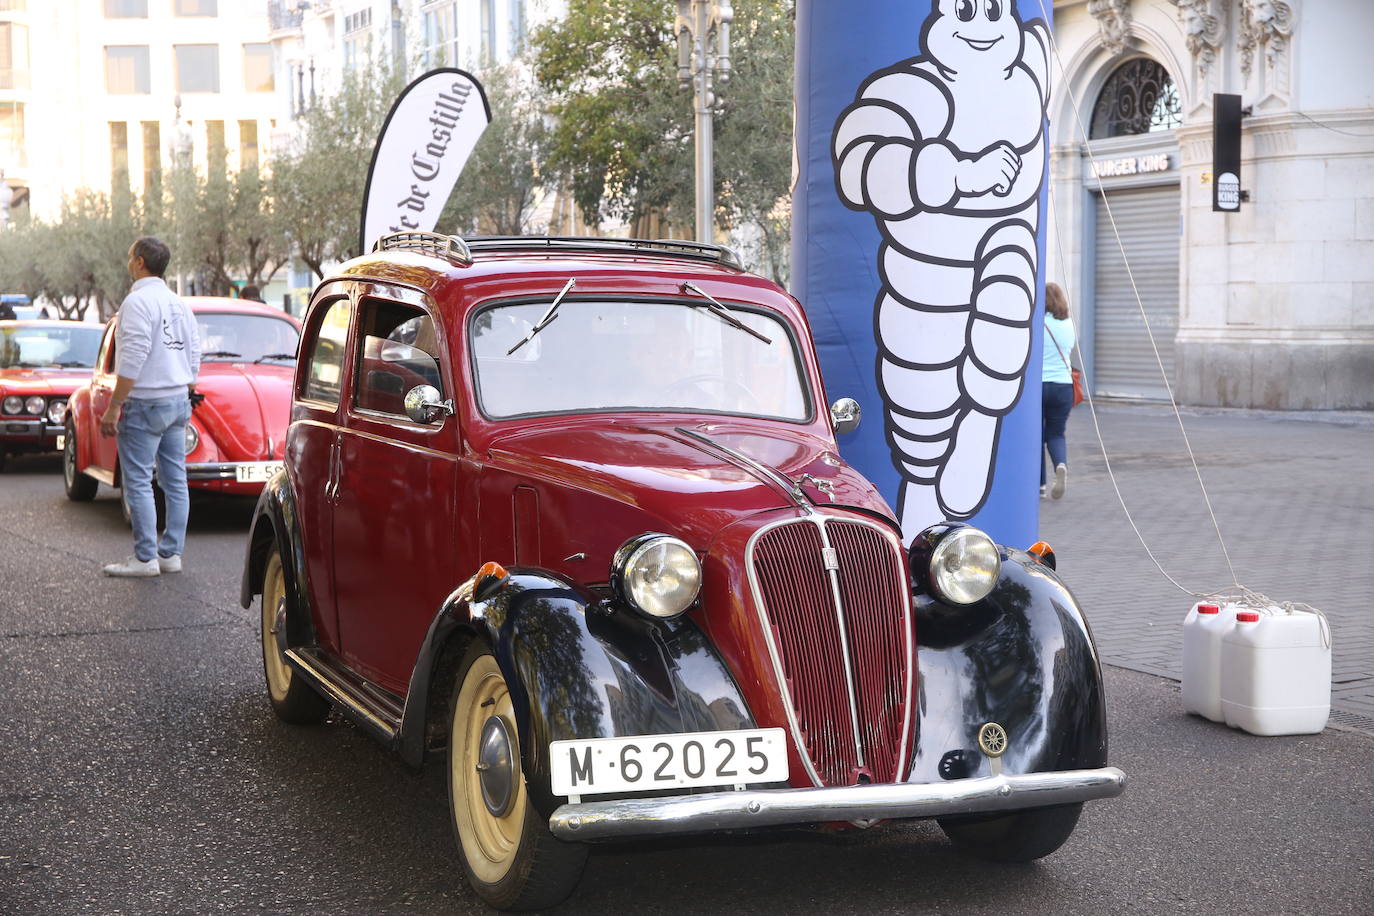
312 445
395 511
104 450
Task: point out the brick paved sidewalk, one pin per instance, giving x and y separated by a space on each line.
1294 496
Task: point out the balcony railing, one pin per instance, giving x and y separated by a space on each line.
284 14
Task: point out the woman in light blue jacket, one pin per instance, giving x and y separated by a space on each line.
1056 398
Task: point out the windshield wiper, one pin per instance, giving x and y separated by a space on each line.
275 356
549 316
723 312
228 353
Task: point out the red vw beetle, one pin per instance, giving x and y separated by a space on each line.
41 364
235 438
571 512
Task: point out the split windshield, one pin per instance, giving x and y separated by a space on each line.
635 356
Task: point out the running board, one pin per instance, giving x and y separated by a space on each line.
370 707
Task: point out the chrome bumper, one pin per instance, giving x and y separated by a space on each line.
630 817
29 430
216 470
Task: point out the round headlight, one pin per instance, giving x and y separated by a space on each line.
657 574
964 565
57 408
14 404
35 405
192 438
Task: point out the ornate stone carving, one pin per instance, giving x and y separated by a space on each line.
1113 23
1266 24
1202 27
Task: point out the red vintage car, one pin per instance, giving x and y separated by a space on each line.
41 364
570 513
236 436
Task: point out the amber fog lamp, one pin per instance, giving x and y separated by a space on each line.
959 563
656 574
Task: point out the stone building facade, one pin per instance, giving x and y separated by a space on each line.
1271 306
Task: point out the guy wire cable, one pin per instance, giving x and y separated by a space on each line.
1083 134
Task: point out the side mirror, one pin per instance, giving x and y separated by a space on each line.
845 415
423 404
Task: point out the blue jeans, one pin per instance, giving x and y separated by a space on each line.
1056 400
155 431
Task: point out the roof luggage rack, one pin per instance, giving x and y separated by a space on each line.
461 250
430 243
697 251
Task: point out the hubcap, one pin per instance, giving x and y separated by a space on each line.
69 458
494 767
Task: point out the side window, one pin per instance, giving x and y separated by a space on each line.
107 356
324 364
397 350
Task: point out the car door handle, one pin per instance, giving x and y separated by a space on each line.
331 489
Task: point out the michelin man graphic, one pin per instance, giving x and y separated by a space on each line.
947 152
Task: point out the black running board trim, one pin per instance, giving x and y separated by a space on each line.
366 707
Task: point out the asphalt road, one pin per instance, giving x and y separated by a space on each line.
141 771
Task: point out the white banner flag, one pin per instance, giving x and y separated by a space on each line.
420 152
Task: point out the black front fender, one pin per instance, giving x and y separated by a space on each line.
1024 658
275 522
577 666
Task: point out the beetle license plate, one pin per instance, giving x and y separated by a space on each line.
256 471
649 763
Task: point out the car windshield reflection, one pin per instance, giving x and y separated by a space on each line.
638 356
225 336
49 347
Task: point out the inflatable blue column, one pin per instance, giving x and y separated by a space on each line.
917 245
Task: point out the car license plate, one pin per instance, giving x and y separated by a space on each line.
256 471
647 763
61 441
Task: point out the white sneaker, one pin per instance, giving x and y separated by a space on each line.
133 568
169 564
1061 475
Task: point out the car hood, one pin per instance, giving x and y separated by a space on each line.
43 381
246 408
688 485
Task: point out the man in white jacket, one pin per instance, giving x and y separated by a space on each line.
157 359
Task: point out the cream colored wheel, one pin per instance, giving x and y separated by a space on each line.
490 839
511 859
292 700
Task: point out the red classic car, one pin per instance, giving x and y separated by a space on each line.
41 364
571 513
236 435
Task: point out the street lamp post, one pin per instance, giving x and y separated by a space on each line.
703 57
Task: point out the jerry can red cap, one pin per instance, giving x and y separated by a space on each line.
1248 617
1208 609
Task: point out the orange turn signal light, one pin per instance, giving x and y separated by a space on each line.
1043 552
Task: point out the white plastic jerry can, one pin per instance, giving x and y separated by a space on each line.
1276 673
1203 628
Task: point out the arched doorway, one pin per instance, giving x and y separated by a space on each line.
1131 171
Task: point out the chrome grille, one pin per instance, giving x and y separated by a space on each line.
798 606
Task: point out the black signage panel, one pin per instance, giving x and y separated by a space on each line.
1226 152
